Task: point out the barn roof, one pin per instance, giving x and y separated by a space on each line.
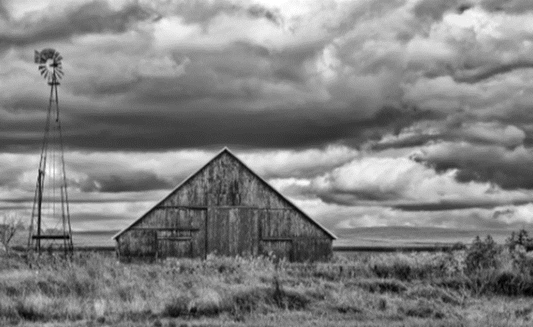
227 150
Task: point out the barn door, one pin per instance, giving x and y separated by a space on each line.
218 231
232 231
183 235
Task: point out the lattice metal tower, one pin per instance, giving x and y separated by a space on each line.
50 219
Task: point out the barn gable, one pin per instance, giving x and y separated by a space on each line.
226 207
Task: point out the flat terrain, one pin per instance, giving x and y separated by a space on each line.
388 289
401 236
394 236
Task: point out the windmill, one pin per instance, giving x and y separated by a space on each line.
50 219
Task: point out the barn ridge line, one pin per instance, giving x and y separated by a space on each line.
227 150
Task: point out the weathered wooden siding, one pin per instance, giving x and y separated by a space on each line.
138 243
225 182
225 209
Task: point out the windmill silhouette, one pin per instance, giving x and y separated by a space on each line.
50 219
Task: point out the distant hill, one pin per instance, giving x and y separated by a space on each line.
412 236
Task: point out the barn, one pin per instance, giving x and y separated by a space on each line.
226 209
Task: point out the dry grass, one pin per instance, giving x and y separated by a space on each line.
372 290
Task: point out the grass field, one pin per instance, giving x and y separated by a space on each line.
484 285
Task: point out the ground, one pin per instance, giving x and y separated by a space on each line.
387 289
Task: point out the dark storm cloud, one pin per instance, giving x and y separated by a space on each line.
435 9
353 197
204 74
134 181
507 168
88 198
502 213
461 128
508 6
188 126
4 13
405 142
453 205
202 12
99 18
482 73
200 128
258 11
93 17
240 71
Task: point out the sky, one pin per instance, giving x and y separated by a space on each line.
364 113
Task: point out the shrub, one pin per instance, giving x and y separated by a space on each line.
415 266
382 286
512 283
346 300
422 309
246 300
501 282
458 246
251 299
348 305
520 238
205 302
518 244
35 307
454 263
8 309
457 283
482 255
177 306
400 270
382 304
523 263
290 299
433 293
202 302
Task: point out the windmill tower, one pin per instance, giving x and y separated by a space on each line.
50 219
